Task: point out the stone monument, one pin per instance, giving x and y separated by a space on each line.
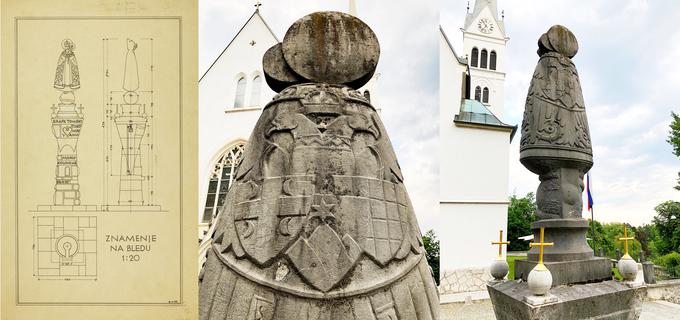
318 224
556 146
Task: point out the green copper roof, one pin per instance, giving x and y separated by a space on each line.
476 113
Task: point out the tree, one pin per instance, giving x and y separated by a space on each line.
520 216
667 221
431 244
648 235
674 139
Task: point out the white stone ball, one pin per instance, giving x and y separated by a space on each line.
627 268
539 281
499 269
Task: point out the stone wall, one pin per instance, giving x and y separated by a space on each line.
464 280
665 290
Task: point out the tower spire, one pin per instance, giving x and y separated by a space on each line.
353 7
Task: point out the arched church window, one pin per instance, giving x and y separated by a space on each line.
221 178
485 95
483 59
240 92
255 91
478 93
474 57
492 60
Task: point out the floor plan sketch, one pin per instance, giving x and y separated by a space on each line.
67 121
128 127
65 248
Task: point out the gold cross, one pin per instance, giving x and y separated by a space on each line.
500 244
541 244
625 238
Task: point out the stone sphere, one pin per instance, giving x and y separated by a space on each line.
499 269
558 39
627 268
277 73
332 47
539 280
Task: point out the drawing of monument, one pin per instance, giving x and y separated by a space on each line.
128 131
67 121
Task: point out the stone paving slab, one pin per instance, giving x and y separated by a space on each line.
483 310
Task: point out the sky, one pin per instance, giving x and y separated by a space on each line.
628 50
408 88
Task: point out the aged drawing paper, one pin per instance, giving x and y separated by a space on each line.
98 130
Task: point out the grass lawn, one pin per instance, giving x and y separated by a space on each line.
511 263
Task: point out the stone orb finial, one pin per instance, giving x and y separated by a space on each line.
332 47
558 39
277 73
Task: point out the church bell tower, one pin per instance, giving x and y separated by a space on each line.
484 42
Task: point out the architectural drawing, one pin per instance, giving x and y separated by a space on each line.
65 247
128 128
67 122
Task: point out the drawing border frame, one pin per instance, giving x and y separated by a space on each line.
16 160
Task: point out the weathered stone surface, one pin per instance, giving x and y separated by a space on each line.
555 140
277 73
317 223
569 272
603 300
332 47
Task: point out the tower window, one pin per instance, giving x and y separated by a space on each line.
478 93
220 180
474 57
492 60
255 91
485 95
240 92
483 58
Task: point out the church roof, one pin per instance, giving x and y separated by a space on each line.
255 15
479 6
475 113
460 59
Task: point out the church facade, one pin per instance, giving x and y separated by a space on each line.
474 150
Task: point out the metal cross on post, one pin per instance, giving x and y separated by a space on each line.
500 244
541 244
258 5
625 239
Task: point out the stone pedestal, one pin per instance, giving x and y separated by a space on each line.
603 300
648 271
571 260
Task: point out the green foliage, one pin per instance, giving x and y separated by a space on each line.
520 216
667 221
648 236
431 244
674 140
511 263
607 235
674 134
671 262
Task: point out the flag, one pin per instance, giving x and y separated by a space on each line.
588 191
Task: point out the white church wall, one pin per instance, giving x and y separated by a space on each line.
220 124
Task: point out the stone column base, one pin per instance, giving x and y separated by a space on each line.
606 300
569 272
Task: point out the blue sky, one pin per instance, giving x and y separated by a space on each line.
408 90
629 50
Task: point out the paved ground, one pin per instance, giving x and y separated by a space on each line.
482 310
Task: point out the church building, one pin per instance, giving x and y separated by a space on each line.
474 146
